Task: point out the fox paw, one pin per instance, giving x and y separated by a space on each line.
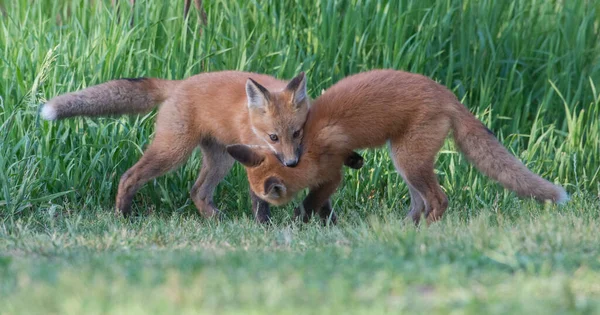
300 214
331 218
208 209
328 217
354 160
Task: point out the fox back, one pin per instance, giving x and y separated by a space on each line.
210 110
414 115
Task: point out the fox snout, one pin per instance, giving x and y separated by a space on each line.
291 162
290 159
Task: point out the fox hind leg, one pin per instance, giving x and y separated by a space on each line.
167 151
414 157
417 204
425 192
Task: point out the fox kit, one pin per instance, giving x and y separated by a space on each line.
209 110
410 112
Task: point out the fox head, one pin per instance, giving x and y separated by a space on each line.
266 175
278 117
273 182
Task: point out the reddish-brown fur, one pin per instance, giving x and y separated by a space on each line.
209 110
411 112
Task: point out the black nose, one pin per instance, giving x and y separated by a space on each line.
291 163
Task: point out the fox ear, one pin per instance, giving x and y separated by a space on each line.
298 87
245 155
257 95
274 188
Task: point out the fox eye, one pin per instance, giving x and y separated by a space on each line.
273 137
296 133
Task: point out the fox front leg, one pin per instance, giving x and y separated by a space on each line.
314 198
260 208
325 213
318 200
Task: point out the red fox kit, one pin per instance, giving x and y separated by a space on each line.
209 110
410 112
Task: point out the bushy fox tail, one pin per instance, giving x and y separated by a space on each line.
117 97
481 148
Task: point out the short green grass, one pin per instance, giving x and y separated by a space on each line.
541 261
529 69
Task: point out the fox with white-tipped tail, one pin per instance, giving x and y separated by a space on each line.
209 110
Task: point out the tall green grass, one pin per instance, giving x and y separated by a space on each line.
529 69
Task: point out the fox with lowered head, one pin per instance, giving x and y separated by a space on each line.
410 112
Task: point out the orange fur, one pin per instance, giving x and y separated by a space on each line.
209 110
414 115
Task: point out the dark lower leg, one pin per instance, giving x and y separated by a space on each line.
326 213
318 200
260 208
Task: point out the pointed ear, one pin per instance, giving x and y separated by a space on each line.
257 95
298 87
245 155
274 188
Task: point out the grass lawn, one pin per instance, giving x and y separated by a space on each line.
531 260
528 69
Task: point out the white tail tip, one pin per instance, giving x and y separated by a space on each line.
48 112
563 197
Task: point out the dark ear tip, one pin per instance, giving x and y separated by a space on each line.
245 154
259 86
254 83
297 82
301 77
233 148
